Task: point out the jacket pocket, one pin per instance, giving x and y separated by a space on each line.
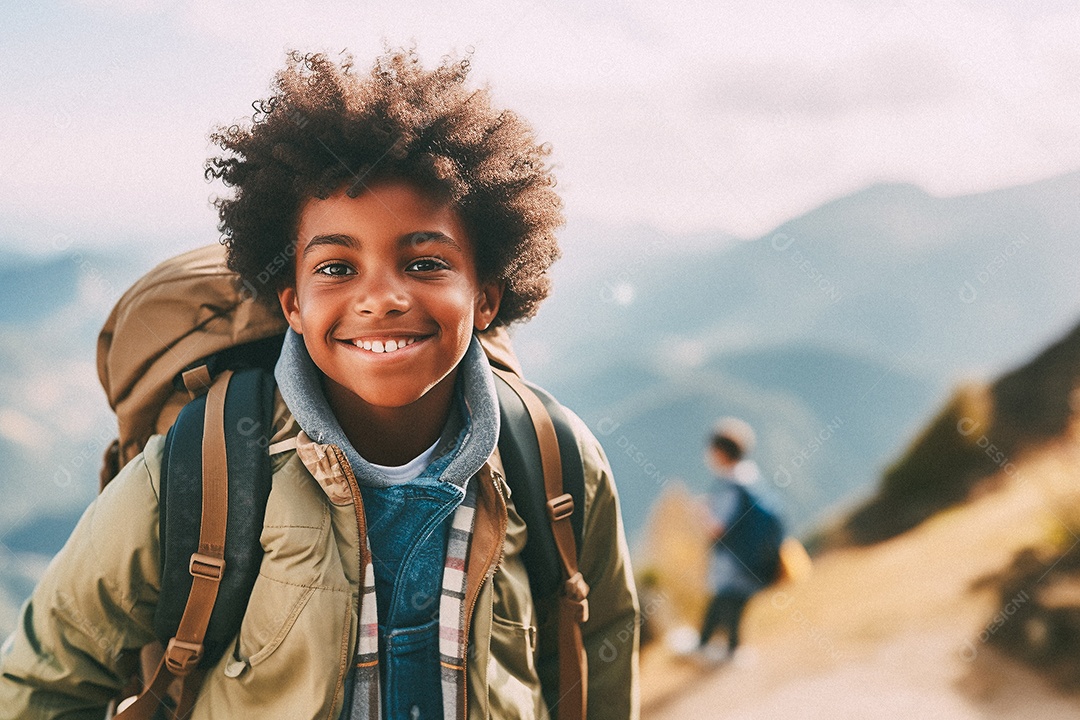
287 660
271 613
513 684
292 569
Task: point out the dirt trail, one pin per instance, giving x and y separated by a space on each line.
895 630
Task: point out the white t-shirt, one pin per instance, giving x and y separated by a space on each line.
411 470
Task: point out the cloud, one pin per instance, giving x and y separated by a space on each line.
895 79
22 430
686 117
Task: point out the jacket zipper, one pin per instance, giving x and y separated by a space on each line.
504 521
489 573
361 527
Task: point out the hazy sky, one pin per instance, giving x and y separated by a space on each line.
708 116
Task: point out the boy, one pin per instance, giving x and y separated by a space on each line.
393 217
745 535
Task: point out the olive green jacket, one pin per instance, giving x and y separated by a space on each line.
95 603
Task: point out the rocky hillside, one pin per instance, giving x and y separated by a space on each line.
975 440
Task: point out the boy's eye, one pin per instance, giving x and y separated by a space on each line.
334 269
427 265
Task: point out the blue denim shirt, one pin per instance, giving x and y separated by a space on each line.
408 526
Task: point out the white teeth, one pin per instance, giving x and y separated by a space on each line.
388 346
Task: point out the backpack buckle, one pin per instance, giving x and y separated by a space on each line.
197 380
206 567
575 597
182 657
561 507
579 609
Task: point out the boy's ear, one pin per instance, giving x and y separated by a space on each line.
289 305
487 305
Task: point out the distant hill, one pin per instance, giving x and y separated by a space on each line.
820 430
35 290
54 420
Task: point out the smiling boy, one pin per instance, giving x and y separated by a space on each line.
392 218
387 298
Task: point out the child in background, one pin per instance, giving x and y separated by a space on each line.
746 537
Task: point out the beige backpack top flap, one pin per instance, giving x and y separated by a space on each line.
185 309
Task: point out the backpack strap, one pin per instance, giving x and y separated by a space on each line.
573 600
217 437
536 427
207 566
247 418
743 506
522 462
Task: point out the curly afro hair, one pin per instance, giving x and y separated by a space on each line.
325 128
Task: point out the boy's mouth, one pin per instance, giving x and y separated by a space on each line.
386 345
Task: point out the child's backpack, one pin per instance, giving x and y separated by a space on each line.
189 353
754 536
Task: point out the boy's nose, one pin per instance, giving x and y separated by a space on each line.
381 295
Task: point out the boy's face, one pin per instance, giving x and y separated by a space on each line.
386 293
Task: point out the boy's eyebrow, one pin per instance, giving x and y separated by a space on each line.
429 236
334 239
413 238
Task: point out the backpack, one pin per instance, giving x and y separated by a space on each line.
189 353
754 536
